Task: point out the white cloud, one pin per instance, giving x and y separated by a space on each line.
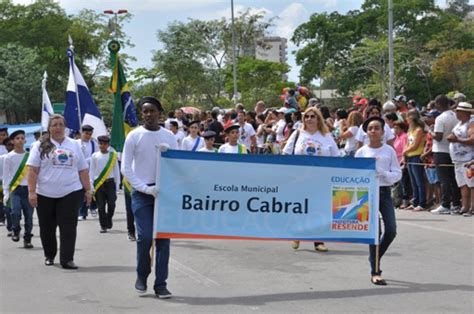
289 19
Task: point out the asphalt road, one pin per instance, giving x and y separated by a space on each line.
429 268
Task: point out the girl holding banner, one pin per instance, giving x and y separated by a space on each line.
193 142
313 139
58 182
388 172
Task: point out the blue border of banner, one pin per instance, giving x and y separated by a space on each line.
347 162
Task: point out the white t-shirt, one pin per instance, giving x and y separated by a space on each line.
245 133
88 148
205 150
189 142
386 163
387 135
59 171
315 144
1 165
179 138
3 150
11 163
139 162
232 149
260 139
461 153
351 142
279 129
98 162
444 123
297 125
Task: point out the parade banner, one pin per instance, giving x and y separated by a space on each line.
266 197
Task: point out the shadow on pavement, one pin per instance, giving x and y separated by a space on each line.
106 269
394 287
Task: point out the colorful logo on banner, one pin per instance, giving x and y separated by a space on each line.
350 208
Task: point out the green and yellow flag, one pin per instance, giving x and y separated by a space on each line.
124 115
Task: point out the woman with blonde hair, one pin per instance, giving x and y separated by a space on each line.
312 139
354 120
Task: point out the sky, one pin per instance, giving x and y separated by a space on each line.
150 16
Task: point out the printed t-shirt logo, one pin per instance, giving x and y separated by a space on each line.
62 157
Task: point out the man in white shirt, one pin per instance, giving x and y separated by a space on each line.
443 126
105 179
247 133
139 166
88 146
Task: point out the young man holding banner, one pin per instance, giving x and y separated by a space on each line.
15 188
105 178
139 167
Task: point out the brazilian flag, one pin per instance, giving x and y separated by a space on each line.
124 115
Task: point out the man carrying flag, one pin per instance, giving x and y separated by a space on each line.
124 120
80 106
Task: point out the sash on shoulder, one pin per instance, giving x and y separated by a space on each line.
106 171
17 177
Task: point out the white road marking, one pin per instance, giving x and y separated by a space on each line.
191 273
436 229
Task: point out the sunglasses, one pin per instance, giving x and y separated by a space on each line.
312 116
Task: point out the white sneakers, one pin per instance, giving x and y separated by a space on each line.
441 210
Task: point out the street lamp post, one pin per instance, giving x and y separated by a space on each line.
115 19
391 71
234 61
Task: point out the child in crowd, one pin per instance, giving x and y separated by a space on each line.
15 188
104 174
433 191
209 139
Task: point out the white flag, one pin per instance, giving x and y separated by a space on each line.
47 108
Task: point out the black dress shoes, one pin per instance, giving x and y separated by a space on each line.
49 261
69 265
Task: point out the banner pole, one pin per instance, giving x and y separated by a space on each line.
377 248
157 186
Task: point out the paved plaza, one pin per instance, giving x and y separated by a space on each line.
429 268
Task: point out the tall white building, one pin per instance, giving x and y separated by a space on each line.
274 50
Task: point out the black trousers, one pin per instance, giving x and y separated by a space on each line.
130 217
62 212
106 196
449 188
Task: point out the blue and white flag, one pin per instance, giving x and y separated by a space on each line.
47 108
77 91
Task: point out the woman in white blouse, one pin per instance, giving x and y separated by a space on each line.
313 139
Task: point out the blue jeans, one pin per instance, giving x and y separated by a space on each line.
20 203
143 208
389 225
417 179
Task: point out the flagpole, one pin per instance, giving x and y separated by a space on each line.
75 85
43 87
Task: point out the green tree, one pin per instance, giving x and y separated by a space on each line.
20 98
258 80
